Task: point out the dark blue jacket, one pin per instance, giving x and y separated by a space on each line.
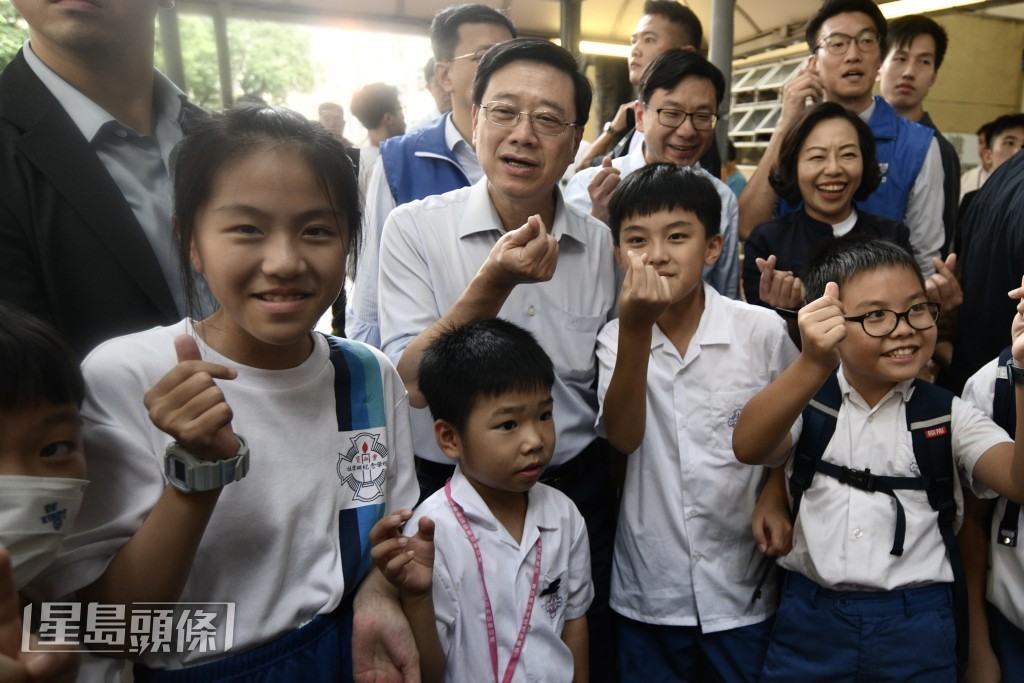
420 164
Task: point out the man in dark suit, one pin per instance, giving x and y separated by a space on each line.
86 131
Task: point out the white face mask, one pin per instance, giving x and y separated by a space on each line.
35 515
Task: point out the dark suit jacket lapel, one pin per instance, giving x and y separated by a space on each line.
54 144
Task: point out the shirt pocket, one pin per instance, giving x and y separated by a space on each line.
724 408
552 596
574 353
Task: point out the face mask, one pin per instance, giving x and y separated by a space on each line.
35 515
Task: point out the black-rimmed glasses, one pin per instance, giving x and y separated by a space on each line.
542 122
673 118
882 322
839 43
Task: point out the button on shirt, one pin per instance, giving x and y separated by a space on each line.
843 535
684 553
431 250
139 164
724 275
508 568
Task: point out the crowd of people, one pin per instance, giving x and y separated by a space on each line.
655 423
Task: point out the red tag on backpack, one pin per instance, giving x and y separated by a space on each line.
941 430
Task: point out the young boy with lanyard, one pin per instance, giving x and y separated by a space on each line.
492 536
676 368
868 593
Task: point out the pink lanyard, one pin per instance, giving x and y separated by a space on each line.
491 634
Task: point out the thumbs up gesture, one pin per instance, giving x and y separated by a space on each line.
187 404
822 327
527 254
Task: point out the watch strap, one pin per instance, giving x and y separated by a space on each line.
189 474
1015 373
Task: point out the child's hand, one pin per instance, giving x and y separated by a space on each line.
15 665
601 187
187 404
645 294
942 287
406 561
527 254
779 288
1017 327
822 327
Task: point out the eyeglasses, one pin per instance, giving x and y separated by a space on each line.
673 118
472 56
882 322
839 43
542 122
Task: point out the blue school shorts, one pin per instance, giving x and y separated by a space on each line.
319 652
652 652
1007 642
828 635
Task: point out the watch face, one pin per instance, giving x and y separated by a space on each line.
180 470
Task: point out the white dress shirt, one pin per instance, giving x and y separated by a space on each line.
724 275
432 249
684 552
508 570
843 535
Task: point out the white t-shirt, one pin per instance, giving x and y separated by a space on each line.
280 544
564 588
843 536
684 551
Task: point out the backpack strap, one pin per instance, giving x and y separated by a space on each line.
929 417
819 426
1004 414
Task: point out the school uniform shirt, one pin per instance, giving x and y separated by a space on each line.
684 552
564 588
1006 563
725 274
432 249
289 540
842 535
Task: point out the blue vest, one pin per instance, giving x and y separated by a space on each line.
901 147
420 164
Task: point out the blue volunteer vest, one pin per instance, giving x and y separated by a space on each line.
420 164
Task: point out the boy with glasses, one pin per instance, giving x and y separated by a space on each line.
677 112
875 458
846 39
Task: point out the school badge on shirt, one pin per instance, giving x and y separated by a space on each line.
364 466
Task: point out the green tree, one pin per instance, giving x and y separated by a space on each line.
268 60
13 32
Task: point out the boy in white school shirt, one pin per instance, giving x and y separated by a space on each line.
868 594
492 540
676 369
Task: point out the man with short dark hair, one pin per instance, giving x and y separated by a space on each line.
917 46
676 116
376 106
665 24
490 250
846 39
428 161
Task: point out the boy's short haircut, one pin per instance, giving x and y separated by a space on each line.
667 70
36 365
783 176
839 261
1002 124
831 8
542 52
680 15
903 30
665 187
370 103
444 28
482 358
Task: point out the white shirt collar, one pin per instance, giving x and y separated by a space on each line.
479 205
714 326
904 389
